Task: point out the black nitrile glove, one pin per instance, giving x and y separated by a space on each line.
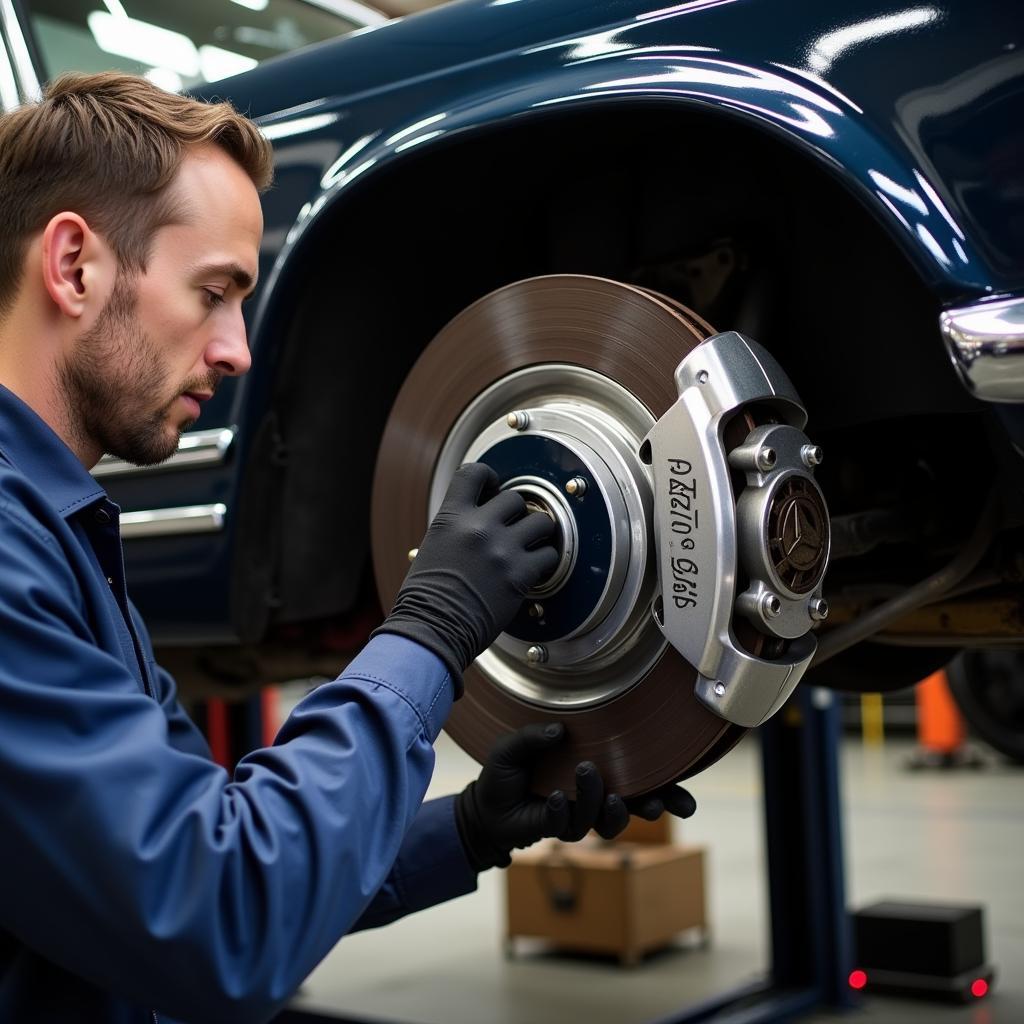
672 798
498 813
481 555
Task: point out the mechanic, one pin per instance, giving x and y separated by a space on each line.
137 876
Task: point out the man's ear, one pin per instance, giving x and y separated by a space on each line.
79 268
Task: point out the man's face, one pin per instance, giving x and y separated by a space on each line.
166 338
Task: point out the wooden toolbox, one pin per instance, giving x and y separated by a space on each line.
624 899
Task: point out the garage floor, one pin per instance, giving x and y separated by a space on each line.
954 836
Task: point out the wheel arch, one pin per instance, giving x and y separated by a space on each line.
804 113
331 320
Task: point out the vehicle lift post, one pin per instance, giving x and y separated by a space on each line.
810 931
811 951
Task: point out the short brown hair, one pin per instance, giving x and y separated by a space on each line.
107 146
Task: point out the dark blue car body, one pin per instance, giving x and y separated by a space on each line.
871 157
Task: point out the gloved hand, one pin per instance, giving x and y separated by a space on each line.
497 812
479 557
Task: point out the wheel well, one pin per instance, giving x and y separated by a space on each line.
723 217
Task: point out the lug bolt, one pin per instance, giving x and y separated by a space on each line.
518 420
702 377
771 606
536 611
719 689
576 487
766 458
537 655
818 607
413 553
812 455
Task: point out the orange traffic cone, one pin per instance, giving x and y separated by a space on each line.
940 729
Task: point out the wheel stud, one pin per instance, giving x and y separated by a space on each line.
818 607
413 553
537 655
536 611
812 455
518 420
766 458
576 487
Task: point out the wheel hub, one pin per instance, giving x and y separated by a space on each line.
575 459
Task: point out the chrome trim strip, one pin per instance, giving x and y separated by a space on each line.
19 51
168 522
986 343
199 448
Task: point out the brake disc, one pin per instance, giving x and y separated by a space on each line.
690 569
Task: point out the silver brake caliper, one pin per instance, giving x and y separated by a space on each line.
761 556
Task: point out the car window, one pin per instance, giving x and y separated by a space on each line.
179 43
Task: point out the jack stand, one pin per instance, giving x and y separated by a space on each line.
810 930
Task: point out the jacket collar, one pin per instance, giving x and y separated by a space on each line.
32 447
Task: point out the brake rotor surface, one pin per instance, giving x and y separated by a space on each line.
656 731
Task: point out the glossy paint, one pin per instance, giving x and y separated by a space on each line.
917 109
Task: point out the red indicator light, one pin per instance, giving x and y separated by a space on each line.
979 987
858 979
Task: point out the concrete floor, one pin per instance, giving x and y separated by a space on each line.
941 836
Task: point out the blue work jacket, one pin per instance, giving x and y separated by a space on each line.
136 875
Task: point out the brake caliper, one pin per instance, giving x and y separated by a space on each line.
741 535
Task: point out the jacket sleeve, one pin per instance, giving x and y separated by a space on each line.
431 867
182 733
164 880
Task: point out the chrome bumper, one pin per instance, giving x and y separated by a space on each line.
986 343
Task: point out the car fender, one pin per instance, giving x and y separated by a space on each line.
358 137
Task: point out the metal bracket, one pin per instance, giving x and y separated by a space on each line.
700 539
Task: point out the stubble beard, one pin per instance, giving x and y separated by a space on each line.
111 383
